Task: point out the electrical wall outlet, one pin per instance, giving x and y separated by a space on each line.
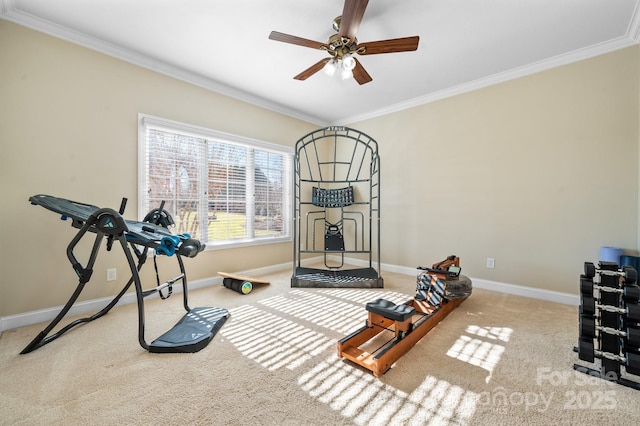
111 274
491 262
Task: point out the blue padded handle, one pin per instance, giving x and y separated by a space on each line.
168 245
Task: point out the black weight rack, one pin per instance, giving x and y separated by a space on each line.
337 209
609 323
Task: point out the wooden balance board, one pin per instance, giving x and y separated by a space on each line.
240 283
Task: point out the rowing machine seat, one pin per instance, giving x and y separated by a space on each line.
390 310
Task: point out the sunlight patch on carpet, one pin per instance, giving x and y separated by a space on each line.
493 333
339 310
272 341
361 296
482 352
359 396
319 310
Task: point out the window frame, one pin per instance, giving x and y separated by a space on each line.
146 121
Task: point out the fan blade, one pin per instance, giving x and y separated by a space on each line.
351 17
286 38
312 69
404 44
360 74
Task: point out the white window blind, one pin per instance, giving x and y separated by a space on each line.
221 189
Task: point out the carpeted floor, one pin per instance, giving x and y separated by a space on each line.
497 359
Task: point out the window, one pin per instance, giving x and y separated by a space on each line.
221 189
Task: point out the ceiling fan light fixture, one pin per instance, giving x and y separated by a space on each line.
348 62
346 73
330 67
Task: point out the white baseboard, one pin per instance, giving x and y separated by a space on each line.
43 315
517 290
534 293
34 317
10 322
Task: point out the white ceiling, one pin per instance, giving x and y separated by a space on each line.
223 45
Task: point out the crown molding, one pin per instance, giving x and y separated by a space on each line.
533 68
631 38
633 32
9 12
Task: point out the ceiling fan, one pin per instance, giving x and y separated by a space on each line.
343 45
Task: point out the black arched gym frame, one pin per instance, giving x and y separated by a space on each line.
337 209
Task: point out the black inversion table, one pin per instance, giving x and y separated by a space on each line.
191 333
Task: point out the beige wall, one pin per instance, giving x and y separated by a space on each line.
537 172
68 127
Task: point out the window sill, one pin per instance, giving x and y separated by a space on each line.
211 246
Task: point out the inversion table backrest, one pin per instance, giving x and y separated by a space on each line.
143 233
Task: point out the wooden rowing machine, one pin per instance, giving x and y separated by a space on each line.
409 322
